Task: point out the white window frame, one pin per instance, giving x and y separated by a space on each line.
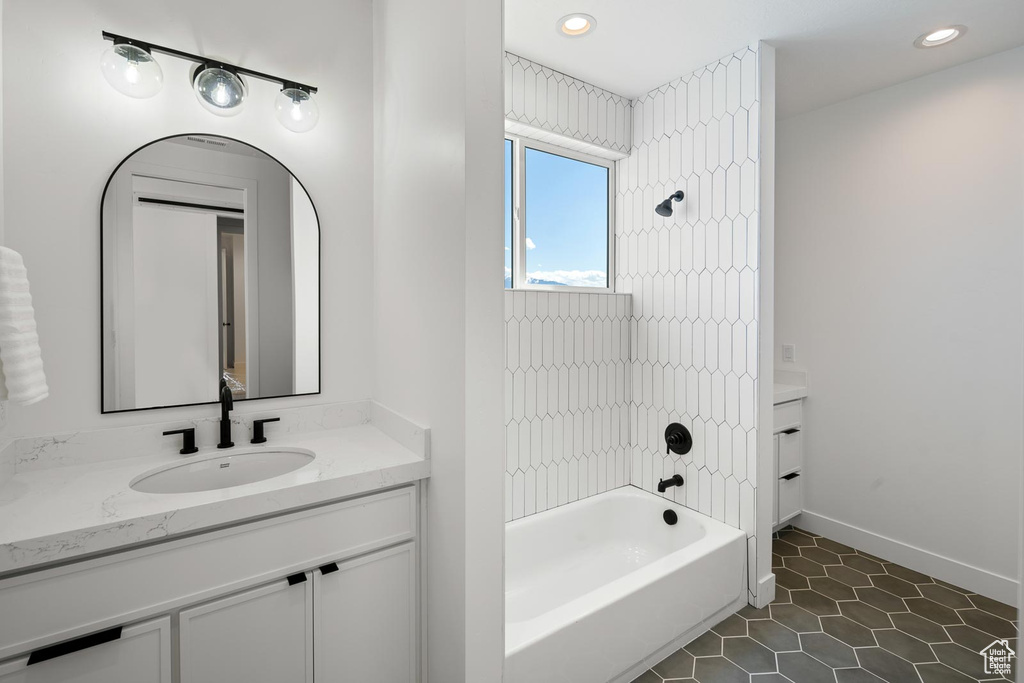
518 279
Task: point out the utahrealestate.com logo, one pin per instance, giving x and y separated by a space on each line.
998 658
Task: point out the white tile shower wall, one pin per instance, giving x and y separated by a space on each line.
567 394
542 98
694 281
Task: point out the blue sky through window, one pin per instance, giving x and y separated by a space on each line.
566 220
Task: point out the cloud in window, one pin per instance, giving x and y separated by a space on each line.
530 244
569 278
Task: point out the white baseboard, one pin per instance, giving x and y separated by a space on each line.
688 637
1001 588
765 591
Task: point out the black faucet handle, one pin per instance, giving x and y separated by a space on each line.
188 441
257 429
677 439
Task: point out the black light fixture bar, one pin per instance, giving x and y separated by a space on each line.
150 47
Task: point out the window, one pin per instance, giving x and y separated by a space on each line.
557 218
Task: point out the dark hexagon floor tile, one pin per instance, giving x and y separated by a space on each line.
951 587
876 597
770 678
679 664
945 596
971 638
896 586
796 537
851 577
886 665
827 649
989 623
800 667
781 596
719 670
850 632
820 555
773 635
796 618
831 588
907 574
750 612
814 602
749 655
905 646
648 677
940 673
803 566
733 625
963 660
790 579
920 628
856 676
863 564
777 561
834 547
994 607
705 645
785 549
865 615
933 611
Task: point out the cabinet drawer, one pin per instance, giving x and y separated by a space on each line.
142 654
55 605
790 450
790 496
786 415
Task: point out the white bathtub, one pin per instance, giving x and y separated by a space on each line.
595 587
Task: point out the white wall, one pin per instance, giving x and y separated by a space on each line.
438 307
66 138
899 279
305 249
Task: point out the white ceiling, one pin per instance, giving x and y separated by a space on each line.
828 50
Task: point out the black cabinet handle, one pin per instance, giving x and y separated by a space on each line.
791 475
791 430
297 578
329 568
76 645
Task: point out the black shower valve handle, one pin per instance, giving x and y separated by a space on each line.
677 439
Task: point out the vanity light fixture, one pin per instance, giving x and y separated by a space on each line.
941 36
130 68
576 25
296 108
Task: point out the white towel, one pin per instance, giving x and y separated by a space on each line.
21 365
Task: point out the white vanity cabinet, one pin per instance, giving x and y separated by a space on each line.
326 594
789 461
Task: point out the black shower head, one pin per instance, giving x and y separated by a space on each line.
665 208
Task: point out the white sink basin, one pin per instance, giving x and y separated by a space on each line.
222 470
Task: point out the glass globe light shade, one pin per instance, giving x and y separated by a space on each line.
132 71
296 109
220 91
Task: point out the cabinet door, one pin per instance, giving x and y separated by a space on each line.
263 635
366 619
142 654
790 496
791 456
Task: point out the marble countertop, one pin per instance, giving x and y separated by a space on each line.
789 392
59 513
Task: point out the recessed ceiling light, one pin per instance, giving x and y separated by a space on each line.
940 36
576 25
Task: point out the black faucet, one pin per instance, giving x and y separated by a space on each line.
674 480
226 404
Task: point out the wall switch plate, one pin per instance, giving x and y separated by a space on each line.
789 353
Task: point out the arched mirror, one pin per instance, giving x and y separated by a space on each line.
210 277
